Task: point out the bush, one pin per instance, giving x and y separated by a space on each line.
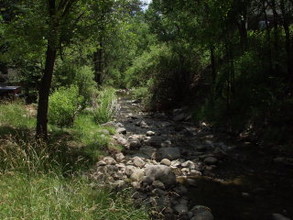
63 106
106 105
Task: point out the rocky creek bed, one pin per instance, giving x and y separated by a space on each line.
182 171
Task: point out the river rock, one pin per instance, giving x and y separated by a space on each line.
150 133
166 162
119 157
137 175
138 162
121 130
170 153
161 173
202 213
109 160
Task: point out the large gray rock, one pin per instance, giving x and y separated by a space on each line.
170 153
202 213
161 173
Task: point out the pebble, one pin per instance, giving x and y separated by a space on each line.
166 162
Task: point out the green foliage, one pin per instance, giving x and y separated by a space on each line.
106 105
64 104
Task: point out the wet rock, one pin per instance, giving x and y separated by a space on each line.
119 157
277 216
202 213
161 173
109 160
166 162
138 162
170 153
121 130
210 160
181 190
150 133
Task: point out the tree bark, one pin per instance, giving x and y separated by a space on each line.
44 91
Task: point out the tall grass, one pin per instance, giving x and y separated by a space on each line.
106 105
43 180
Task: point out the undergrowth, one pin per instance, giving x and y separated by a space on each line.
47 180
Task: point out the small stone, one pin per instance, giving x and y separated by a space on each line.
119 183
135 185
210 160
175 163
134 144
129 170
159 192
119 157
101 163
120 140
166 143
121 131
137 174
109 160
158 184
181 208
150 133
188 164
138 162
166 162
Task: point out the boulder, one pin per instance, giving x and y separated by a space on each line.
161 173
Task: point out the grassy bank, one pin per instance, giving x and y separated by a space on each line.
47 181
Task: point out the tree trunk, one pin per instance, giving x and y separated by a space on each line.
44 90
99 64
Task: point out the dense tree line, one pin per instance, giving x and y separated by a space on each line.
233 59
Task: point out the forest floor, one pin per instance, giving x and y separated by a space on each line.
233 178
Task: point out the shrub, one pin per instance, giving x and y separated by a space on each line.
106 105
63 106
